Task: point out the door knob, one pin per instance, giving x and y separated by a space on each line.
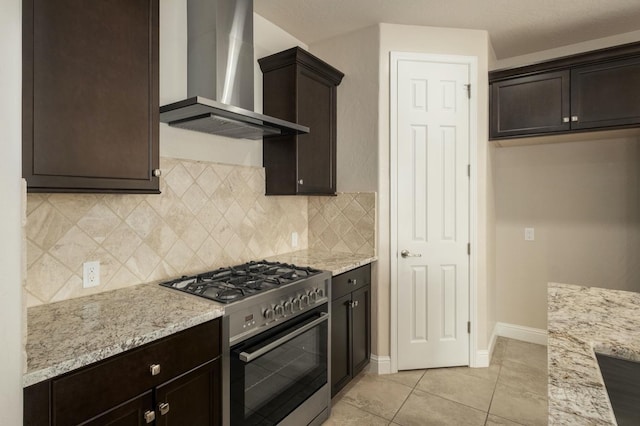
406 253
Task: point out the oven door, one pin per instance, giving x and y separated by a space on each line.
274 373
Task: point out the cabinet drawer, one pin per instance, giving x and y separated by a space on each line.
89 391
349 281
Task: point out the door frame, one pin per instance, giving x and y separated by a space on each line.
472 62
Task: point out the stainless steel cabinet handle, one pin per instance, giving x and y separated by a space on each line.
406 253
353 281
157 172
155 369
149 416
574 118
164 408
565 119
353 304
301 181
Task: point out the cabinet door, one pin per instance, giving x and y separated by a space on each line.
90 95
340 343
606 94
131 413
530 105
361 328
193 399
316 150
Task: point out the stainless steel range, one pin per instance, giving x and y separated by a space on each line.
276 361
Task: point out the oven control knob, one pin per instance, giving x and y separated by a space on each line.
288 308
297 303
279 310
269 314
320 293
304 301
313 296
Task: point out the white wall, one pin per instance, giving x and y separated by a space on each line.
447 41
179 143
11 214
356 55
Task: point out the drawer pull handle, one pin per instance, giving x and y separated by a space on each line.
155 369
164 408
353 281
149 416
353 304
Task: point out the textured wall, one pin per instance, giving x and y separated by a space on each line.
582 199
345 223
208 215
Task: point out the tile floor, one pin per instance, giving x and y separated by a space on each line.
511 391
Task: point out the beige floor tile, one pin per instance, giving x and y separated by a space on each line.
524 377
377 396
498 351
499 421
520 406
343 413
526 353
423 408
459 387
408 378
487 373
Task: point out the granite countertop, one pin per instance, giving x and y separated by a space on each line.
67 335
583 320
335 262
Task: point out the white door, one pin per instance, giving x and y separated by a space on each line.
432 214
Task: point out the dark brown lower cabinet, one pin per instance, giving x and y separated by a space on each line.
350 326
173 381
192 399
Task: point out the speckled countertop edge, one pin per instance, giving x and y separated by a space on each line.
67 335
336 262
71 334
582 320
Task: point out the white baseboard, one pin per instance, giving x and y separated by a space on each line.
482 359
380 364
518 332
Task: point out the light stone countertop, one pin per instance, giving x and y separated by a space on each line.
582 320
335 262
67 335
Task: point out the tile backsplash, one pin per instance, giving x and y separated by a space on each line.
345 223
208 215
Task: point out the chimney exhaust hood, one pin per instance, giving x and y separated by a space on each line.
220 75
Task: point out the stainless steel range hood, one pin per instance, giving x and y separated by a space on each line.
220 75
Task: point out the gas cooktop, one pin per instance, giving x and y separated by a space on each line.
226 285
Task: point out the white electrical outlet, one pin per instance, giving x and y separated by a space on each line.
529 234
91 274
294 239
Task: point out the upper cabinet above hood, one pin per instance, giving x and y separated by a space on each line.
220 75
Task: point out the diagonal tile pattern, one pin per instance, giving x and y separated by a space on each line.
344 223
512 391
208 215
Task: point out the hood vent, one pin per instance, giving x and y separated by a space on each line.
220 75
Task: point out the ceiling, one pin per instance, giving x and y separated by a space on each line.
516 27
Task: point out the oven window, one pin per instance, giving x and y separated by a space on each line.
266 389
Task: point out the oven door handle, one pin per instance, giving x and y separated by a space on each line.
248 357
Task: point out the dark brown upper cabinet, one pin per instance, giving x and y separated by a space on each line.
592 91
90 96
301 88
530 105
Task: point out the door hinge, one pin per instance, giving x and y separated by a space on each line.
469 327
468 87
468 170
469 248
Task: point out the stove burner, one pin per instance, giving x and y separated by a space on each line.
237 282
